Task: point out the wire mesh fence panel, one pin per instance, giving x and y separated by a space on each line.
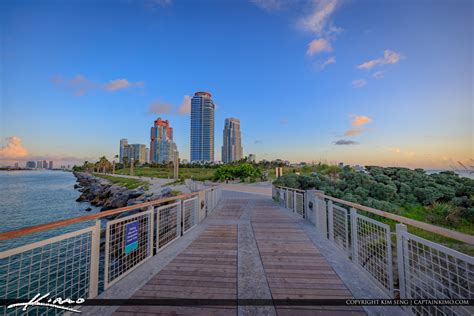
61 266
128 243
207 198
340 227
433 271
372 249
281 197
289 200
299 205
190 213
168 224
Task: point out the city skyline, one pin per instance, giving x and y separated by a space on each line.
361 82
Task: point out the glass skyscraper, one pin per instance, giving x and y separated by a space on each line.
162 147
231 142
202 127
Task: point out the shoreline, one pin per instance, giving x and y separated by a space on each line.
102 193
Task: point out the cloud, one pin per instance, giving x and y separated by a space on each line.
359 83
354 131
318 21
119 84
378 74
318 46
397 150
258 141
359 120
389 57
159 107
153 4
345 142
13 149
269 5
185 107
394 149
329 61
80 85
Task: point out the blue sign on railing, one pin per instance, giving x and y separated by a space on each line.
131 237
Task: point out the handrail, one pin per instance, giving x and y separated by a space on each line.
66 222
288 188
468 239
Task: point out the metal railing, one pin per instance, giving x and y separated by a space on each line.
190 214
429 270
212 197
292 199
70 265
64 266
424 269
168 224
128 243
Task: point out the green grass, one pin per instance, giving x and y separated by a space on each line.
124 182
200 174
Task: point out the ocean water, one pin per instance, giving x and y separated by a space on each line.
29 198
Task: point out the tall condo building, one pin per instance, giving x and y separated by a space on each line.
137 152
202 127
162 147
123 143
232 142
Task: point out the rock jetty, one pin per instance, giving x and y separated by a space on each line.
100 192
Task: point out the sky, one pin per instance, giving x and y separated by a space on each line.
361 82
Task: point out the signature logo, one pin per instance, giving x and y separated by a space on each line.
44 301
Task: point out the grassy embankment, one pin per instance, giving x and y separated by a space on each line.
124 182
199 174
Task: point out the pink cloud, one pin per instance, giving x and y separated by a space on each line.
318 46
13 149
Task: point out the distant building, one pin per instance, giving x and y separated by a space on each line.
123 144
202 127
162 147
45 164
137 152
252 158
147 155
341 165
39 164
17 165
31 164
50 165
232 142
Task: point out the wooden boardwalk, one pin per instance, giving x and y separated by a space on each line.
208 269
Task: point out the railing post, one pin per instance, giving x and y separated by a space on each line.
401 231
330 221
178 225
321 215
286 198
294 201
151 209
95 258
311 212
354 236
